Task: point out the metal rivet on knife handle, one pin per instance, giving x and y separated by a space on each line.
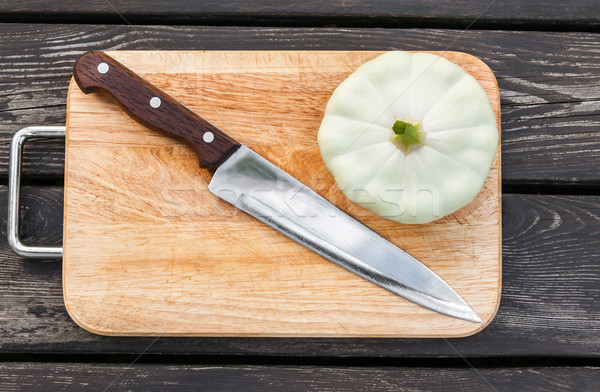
208 137
103 68
165 114
155 102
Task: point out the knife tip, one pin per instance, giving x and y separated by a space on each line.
472 316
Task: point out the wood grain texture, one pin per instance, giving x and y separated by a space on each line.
549 308
76 377
550 112
583 14
149 251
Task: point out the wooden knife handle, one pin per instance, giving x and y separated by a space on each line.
153 108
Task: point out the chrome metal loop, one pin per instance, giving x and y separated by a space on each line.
14 188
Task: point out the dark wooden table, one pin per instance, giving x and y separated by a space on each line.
546 336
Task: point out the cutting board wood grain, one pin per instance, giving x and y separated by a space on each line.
148 250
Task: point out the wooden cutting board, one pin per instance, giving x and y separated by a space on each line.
148 250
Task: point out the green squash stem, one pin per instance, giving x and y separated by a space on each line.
408 135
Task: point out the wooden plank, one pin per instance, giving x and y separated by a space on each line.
76 377
583 14
550 107
194 266
549 302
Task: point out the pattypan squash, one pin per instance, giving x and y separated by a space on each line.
409 136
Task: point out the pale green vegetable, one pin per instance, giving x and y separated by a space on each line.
409 136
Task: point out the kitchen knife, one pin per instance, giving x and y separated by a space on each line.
253 184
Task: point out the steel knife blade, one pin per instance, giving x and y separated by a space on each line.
258 187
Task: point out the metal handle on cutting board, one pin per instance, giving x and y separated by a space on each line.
14 187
